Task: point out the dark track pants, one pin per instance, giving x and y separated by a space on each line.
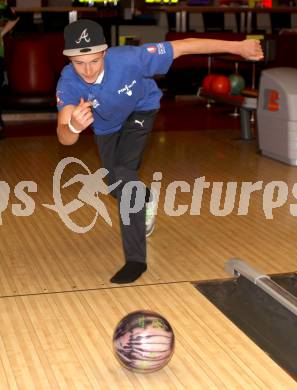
121 154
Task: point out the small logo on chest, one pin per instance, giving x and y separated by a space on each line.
127 89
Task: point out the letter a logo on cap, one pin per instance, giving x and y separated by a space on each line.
84 35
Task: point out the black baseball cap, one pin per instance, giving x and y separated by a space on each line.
83 37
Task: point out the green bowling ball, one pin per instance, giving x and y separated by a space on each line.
237 84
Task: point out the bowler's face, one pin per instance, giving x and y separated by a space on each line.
88 66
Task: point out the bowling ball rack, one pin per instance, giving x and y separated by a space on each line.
246 105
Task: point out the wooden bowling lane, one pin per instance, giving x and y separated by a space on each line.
64 341
39 253
60 335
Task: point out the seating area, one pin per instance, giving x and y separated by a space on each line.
33 68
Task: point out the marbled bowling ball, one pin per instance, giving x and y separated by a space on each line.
143 341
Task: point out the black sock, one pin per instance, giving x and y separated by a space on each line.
129 273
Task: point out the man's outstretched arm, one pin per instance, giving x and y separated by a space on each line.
249 48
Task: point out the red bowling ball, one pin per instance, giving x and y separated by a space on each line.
220 85
207 81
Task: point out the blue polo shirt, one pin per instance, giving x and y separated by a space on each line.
127 84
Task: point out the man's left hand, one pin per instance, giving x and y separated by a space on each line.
251 50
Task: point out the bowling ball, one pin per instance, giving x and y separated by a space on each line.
206 82
237 84
143 341
220 85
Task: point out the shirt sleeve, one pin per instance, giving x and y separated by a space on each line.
66 94
156 58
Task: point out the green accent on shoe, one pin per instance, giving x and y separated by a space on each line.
150 214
